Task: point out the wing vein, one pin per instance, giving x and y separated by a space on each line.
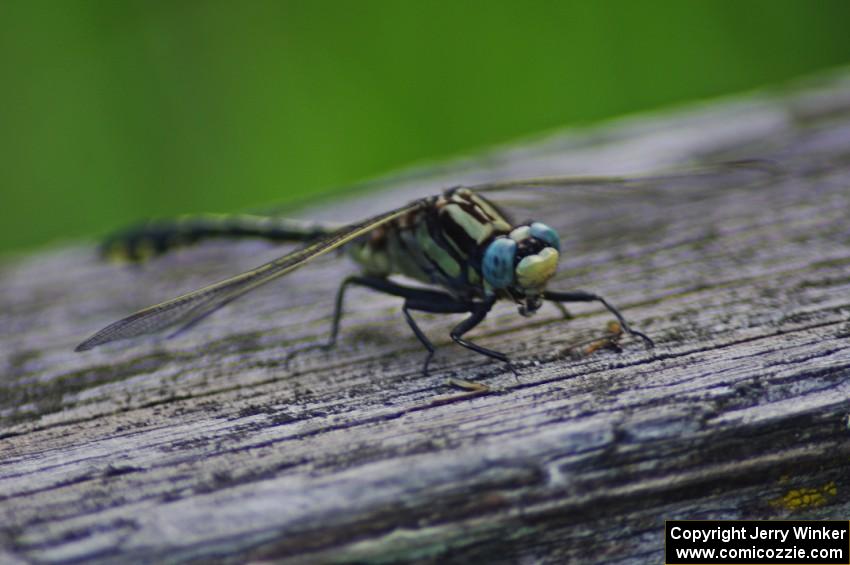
191 307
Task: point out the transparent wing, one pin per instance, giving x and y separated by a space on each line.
190 308
588 206
538 192
596 213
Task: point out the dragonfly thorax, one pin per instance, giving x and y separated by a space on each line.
521 263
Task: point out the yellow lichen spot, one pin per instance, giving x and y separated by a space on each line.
803 498
535 270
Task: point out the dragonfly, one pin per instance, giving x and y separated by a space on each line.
466 252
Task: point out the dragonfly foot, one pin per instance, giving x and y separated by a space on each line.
647 341
567 315
513 369
426 363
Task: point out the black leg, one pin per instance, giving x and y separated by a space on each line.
431 301
563 309
435 303
337 317
369 282
415 299
423 339
581 296
446 304
479 312
478 315
423 300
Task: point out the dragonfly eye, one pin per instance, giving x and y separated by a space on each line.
535 271
498 264
544 233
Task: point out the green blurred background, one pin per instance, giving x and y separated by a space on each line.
114 111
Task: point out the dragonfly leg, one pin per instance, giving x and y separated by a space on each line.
436 303
479 312
563 309
415 299
423 339
380 285
337 318
581 296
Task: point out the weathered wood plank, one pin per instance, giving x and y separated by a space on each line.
210 446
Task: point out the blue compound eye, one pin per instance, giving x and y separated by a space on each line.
498 264
544 233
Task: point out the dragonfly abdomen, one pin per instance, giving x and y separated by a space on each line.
140 242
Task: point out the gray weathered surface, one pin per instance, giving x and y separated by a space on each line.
208 446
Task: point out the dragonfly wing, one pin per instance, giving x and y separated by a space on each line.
613 210
533 191
190 308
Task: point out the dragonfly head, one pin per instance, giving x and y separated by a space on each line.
522 262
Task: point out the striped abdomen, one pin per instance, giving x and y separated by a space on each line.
441 243
143 241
